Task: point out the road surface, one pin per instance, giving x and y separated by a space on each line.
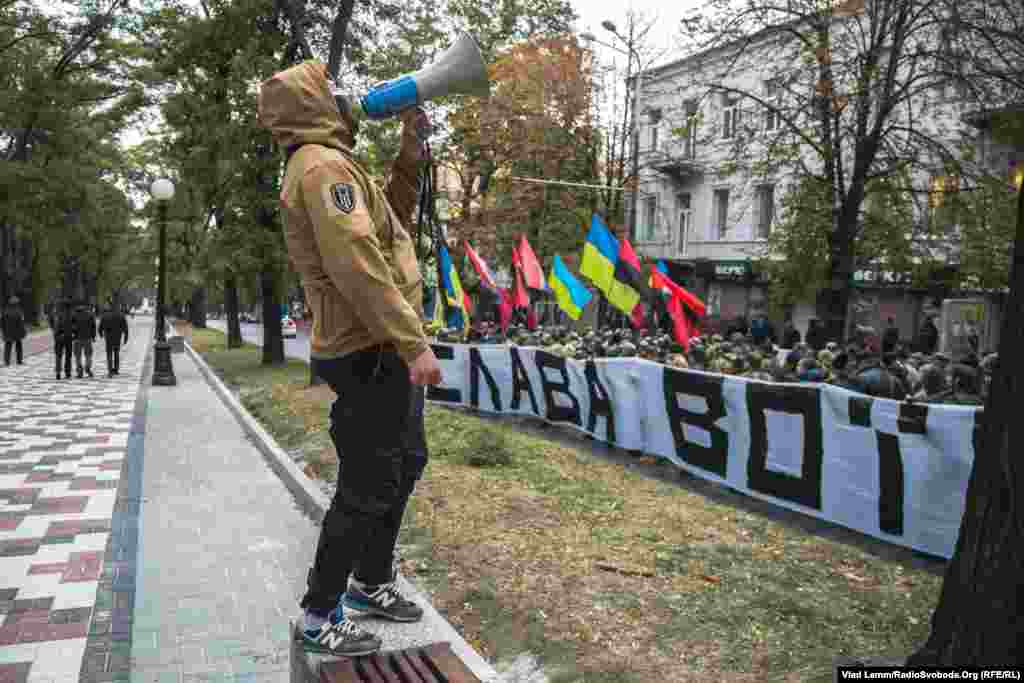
253 333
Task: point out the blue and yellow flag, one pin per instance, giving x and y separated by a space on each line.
451 287
600 254
572 297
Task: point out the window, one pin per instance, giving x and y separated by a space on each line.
683 209
731 119
771 95
654 137
650 219
721 215
764 210
690 136
942 200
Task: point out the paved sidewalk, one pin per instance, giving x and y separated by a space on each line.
64 457
223 549
33 344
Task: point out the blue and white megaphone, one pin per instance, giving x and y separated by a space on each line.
459 71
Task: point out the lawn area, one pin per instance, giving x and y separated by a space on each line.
535 544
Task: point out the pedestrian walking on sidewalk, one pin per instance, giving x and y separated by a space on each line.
84 323
348 241
12 326
114 326
63 337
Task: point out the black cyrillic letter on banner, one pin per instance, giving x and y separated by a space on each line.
600 404
556 413
708 387
890 460
445 395
476 367
797 400
520 380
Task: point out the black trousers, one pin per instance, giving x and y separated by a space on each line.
113 355
377 429
12 344
62 350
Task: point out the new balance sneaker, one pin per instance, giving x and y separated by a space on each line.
343 639
384 601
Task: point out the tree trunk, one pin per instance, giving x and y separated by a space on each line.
231 308
977 621
197 308
273 342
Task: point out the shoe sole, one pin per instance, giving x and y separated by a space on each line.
319 649
369 611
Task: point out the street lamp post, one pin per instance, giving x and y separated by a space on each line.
163 372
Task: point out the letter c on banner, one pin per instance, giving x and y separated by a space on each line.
708 387
444 394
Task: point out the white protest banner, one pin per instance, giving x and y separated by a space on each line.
896 471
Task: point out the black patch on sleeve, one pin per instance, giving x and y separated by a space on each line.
344 196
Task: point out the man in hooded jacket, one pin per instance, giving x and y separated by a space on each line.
348 241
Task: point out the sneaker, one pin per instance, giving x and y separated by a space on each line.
383 601
58 375
343 639
89 372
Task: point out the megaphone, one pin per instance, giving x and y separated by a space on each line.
459 71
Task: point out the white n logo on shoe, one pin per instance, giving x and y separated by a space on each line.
384 596
332 638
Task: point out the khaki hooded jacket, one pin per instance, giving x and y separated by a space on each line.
346 236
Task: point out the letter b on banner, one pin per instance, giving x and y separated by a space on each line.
715 457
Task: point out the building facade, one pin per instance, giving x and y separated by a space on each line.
708 201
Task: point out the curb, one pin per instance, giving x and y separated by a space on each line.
315 503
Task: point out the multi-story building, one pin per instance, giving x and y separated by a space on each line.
708 217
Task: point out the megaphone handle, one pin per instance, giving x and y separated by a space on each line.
390 98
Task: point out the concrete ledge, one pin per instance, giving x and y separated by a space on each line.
433 627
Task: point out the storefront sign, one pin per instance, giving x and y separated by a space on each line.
881 278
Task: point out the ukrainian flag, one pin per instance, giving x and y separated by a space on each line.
572 297
600 254
452 288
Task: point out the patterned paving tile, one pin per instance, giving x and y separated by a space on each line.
64 463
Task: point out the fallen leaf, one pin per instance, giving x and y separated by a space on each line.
711 578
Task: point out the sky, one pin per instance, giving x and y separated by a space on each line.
663 35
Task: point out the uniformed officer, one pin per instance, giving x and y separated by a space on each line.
12 326
63 337
84 323
114 326
348 241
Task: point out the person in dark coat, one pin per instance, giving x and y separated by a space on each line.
891 337
928 336
762 330
63 337
876 379
790 335
84 323
114 326
12 326
816 335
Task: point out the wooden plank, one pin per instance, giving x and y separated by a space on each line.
341 670
448 664
415 658
408 674
383 667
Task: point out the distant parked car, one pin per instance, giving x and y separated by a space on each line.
288 328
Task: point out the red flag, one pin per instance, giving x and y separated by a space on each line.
638 317
626 252
520 299
680 325
533 273
482 271
505 309
531 319
660 281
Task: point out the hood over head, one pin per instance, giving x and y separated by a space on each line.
297 106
